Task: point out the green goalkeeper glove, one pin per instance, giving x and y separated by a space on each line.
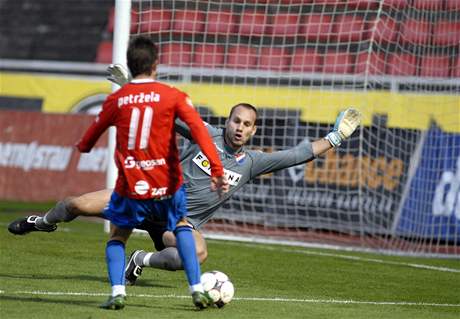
345 125
118 74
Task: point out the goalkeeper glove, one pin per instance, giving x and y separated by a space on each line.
345 125
118 74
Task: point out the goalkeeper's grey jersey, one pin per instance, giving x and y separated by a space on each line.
240 167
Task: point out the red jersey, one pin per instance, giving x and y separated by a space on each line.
146 154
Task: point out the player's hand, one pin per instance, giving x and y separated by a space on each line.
118 74
219 184
345 125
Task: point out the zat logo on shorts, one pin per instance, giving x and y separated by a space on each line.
141 187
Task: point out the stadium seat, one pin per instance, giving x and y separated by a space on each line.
337 62
221 22
241 56
284 25
452 5
104 52
402 64
155 21
316 27
349 28
456 67
416 31
111 20
434 66
188 22
306 60
362 4
427 4
209 55
386 30
395 4
446 33
253 23
376 61
176 54
273 58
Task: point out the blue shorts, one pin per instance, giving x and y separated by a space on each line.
126 212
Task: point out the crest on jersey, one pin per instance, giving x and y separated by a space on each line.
202 162
240 157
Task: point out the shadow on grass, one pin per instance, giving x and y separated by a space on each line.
103 279
93 304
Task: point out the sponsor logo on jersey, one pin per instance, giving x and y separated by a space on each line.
142 187
138 98
144 165
203 163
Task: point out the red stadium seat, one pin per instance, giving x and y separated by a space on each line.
446 33
416 31
351 4
221 22
104 52
386 30
337 62
188 22
253 23
272 58
402 64
241 56
427 4
155 21
456 67
111 21
452 4
349 28
209 55
316 27
176 54
284 25
372 64
434 66
395 4
306 60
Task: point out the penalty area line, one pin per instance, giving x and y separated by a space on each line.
267 299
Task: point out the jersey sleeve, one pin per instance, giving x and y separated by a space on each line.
184 130
269 162
104 119
187 113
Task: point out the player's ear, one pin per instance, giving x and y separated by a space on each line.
254 130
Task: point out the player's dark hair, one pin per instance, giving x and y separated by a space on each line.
245 105
142 54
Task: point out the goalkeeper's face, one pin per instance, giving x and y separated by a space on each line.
240 127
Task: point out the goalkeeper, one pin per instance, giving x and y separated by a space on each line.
241 165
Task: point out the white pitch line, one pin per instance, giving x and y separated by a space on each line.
274 299
350 257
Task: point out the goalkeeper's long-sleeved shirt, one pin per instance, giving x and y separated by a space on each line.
240 167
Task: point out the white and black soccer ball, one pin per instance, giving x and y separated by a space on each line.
218 286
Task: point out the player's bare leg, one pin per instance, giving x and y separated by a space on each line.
90 204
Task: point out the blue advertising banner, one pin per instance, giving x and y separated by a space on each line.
432 206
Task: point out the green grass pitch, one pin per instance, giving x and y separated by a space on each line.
63 275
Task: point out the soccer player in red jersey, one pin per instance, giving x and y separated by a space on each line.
149 174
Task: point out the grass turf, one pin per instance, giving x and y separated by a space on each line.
63 275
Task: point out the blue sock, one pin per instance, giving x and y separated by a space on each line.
187 252
115 259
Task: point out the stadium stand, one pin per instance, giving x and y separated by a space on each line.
403 64
241 56
306 60
176 54
221 22
434 66
188 22
416 31
337 62
104 52
446 33
373 64
316 27
252 23
155 21
273 58
209 55
386 30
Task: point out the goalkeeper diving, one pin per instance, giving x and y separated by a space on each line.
240 163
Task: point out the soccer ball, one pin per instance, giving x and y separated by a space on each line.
218 286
